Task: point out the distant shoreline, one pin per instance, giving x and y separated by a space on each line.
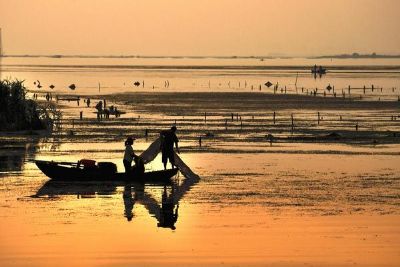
357 56
154 56
260 57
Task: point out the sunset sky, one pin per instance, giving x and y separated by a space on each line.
206 27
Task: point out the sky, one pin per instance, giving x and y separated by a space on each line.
200 27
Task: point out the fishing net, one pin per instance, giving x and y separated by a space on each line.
152 151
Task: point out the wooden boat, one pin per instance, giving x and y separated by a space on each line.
69 171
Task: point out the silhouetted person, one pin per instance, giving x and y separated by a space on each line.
88 102
99 107
129 155
106 113
168 139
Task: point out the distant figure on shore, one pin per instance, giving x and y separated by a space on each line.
168 139
88 102
99 107
129 155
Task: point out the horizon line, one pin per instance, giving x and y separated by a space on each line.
272 56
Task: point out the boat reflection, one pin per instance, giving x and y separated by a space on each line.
165 211
55 188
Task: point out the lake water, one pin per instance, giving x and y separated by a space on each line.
116 75
294 202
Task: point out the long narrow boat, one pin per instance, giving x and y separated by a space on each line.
68 171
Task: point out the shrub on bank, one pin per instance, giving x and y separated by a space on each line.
18 113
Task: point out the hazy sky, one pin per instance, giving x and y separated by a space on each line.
200 27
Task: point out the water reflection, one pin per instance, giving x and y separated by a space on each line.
54 188
14 153
129 202
148 195
167 213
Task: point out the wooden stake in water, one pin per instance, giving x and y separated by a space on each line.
292 122
205 117
318 118
274 117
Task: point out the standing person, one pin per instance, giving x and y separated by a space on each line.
99 107
129 155
168 139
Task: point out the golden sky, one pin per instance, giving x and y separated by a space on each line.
200 27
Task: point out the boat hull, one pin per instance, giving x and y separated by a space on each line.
55 171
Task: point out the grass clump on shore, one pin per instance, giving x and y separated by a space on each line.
19 113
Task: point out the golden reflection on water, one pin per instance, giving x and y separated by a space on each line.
87 224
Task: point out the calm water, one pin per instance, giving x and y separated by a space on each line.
247 208
289 204
117 75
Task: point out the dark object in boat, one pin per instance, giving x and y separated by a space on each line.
52 86
72 86
136 83
103 171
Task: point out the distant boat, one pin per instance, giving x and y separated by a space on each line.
72 86
318 70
